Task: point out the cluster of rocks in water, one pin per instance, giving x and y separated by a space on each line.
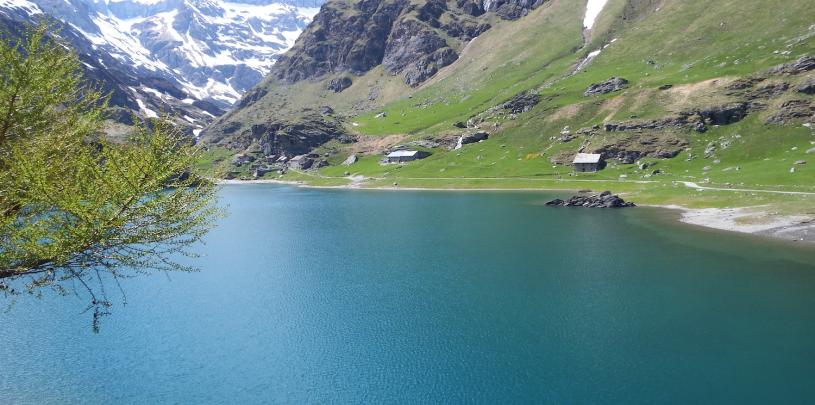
603 200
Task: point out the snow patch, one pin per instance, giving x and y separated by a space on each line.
147 112
593 9
29 7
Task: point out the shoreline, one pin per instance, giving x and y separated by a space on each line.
758 221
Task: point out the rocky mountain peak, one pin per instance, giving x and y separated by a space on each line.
213 49
411 39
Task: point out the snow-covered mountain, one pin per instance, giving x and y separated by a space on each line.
215 50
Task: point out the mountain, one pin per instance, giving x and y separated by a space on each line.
660 90
188 58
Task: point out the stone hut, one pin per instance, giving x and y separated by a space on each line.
587 162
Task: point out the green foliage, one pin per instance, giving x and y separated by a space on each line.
76 209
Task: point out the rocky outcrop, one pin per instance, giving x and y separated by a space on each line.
723 114
339 84
416 51
697 119
803 64
808 87
680 122
474 137
410 39
280 137
603 200
251 97
343 37
522 102
512 9
632 148
608 86
792 110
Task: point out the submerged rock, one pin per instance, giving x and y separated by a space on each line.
602 200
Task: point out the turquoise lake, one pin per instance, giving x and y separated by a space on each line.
332 296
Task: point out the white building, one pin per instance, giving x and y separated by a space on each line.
587 162
401 156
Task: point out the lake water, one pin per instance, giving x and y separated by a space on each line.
329 296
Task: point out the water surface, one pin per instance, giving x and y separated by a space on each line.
328 296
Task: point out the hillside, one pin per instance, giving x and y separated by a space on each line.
723 99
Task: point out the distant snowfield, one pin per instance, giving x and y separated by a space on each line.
26 5
593 9
196 42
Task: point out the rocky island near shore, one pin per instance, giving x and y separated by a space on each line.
603 200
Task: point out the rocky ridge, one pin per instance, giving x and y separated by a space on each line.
413 40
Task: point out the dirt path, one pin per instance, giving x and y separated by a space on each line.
695 186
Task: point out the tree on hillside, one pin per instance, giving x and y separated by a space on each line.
77 212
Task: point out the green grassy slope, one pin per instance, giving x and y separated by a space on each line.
698 47
667 43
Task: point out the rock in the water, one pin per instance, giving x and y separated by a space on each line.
608 86
603 200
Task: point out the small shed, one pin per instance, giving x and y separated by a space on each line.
401 156
587 162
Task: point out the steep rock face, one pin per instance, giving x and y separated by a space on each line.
408 38
416 51
284 138
411 40
512 9
342 38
